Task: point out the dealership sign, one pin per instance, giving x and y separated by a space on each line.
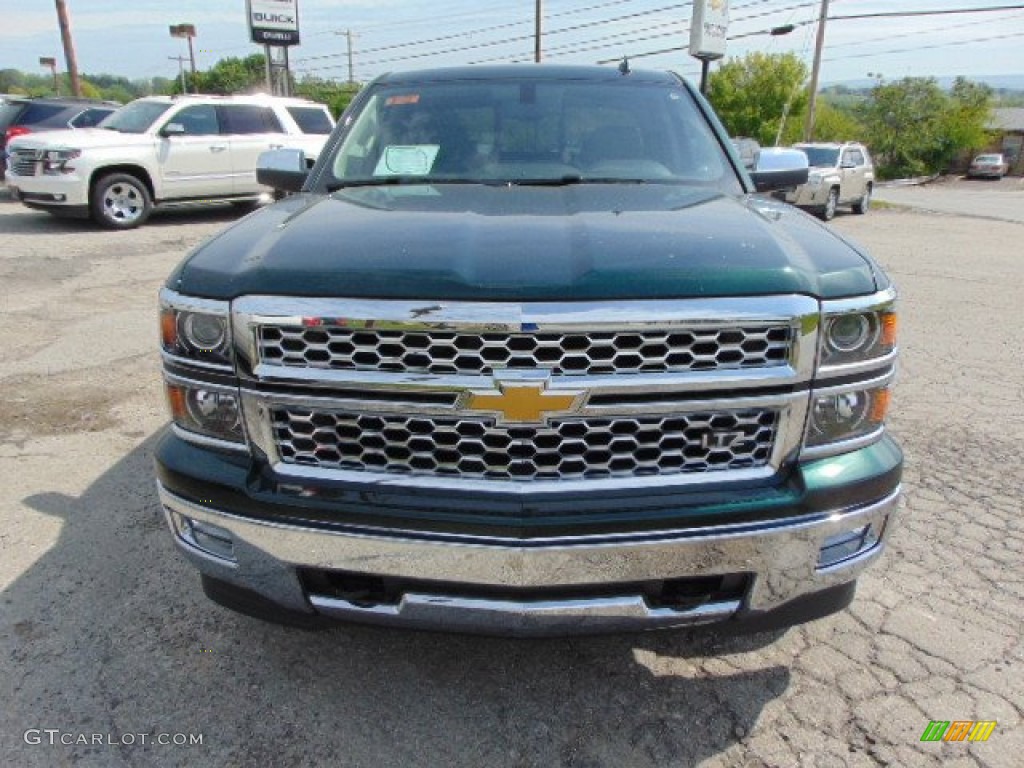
709 28
274 22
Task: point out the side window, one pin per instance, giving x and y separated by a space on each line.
198 120
89 118
857 158
311 119
36 114
241 119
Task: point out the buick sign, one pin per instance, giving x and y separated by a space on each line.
274 22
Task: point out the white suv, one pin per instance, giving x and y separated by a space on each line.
162 151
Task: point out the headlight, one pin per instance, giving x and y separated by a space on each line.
858 336
857 364
196 329
206 409
847 414
55 161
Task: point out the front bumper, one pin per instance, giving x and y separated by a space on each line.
67 191
807 196
559 584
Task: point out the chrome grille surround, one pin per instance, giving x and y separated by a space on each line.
559 450
24 162
449 352
304 419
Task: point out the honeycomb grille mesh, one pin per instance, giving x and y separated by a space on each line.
566 449
452 352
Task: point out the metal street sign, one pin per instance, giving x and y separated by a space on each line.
709 28
273 22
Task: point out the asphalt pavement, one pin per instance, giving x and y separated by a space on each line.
107 645
1001 200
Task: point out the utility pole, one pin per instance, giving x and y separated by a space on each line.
188 31
69 47
537 30
819 44
181 71
348 50
351 74
51 62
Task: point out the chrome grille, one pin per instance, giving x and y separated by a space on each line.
451 352
23 162
560 450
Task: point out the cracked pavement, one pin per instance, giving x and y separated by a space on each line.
103 628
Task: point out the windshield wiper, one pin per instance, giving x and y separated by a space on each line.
390 181
573 178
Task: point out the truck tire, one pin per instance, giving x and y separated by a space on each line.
120 201
864 203
828 211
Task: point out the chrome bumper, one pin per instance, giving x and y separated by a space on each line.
781 556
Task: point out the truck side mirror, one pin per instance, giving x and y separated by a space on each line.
283 169
172 129
778 168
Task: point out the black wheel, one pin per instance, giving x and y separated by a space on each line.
120 201
862 205
828 211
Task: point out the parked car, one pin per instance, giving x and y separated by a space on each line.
841 174
22 115
162 151
747 149
524 354
991 166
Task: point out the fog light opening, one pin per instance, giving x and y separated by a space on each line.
211 539
848 544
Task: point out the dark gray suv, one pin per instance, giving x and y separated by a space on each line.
21 115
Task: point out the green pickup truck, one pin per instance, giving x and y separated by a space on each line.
525 353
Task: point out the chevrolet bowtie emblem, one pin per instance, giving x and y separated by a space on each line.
526 402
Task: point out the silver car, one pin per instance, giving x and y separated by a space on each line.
841 174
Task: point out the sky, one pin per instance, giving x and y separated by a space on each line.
130 37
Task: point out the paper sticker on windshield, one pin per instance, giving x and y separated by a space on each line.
405 98
407 160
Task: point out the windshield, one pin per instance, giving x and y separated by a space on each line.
523 131
988 159
821 157
136 117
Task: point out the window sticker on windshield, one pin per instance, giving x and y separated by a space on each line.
405 98
407 160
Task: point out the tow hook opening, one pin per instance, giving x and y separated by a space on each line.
365 591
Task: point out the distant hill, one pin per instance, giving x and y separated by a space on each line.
1006 82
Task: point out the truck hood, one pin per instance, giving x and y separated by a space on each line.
81 138
519 243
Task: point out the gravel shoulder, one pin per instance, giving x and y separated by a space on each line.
103 629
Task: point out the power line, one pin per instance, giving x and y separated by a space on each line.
480 30
520 38
948 11
927 31
927 47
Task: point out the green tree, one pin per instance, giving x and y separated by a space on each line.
227 76
915 128
759 94
832 123
335 95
